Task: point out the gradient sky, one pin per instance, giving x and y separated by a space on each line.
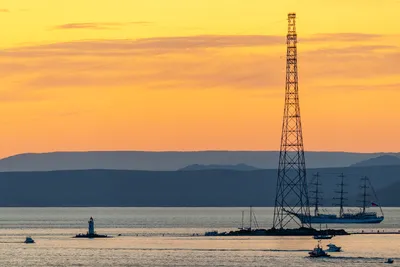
196 75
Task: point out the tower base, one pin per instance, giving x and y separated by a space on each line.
91 236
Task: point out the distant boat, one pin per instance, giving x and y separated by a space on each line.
389 261
333 248
323 237
243 231
29 240
361 217
252 218
318 252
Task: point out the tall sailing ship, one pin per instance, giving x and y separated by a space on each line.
361 217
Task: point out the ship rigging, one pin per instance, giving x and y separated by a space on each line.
360 217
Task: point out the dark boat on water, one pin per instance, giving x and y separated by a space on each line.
333 248
318 252
323 237
29 240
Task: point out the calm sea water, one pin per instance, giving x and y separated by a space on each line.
164 237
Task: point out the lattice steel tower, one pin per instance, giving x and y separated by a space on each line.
291 189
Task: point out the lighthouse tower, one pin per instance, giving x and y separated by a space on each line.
91 233
91 226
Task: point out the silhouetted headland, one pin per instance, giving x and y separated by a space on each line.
207 188
170 161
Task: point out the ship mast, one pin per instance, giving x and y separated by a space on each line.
251 215
316 192
341 198
364 187
242 219
254 218
376 197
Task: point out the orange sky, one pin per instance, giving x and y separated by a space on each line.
195 75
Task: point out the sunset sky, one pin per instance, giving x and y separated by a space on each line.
160 75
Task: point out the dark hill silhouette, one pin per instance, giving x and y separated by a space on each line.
389 195
384 160
175 188
167 161
237 167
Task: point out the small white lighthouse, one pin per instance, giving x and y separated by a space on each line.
91 233
91 226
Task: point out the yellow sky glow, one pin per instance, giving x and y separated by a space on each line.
195 75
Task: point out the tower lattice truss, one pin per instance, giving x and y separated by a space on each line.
291 192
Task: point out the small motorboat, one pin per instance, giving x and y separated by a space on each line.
333 248
323 236
389 260
318 252
29 240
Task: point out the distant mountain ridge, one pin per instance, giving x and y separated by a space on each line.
237 167
205 188
169 161
384 160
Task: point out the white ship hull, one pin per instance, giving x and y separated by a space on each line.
330 220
